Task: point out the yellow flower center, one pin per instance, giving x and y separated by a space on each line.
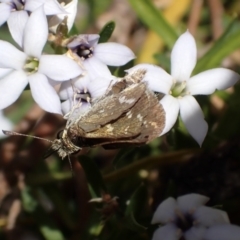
179 89
31 65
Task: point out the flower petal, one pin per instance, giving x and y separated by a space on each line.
193 118
82 82
66 90
71 9
59 67
183 57
158 79
190 202
97 87
44 94
16 25
208 216
51 7
96 68
223 232
91 39
195 233
79 84
5 10
5 124
35 33
53 83
165 212
4 72
113 54
167 232
67 106
10 56
171 108
207 82
11 87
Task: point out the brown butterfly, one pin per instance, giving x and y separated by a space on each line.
128 114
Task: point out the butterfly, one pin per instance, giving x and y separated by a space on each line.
128 114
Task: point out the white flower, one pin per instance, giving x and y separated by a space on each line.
15 12
95 57
71 11
5 124
33 68
186 217
84 90
4 72
223 232
179 86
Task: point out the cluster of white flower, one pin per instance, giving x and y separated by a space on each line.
187 217
84 66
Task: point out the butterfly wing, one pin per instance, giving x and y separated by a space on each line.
140 124
153 122
110 108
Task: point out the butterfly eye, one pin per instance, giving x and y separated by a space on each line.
59 134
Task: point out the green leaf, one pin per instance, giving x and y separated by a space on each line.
137 200
93 175
74 30
106 32
136 207
225 45
51 233
120 71
134 225
28 202
153 18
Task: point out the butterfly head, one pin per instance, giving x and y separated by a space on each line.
64 144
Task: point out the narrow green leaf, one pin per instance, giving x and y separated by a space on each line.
106 32
153 18
137 200
74 30
51 233
28 202
150 162
93 175
225 45
134 225
138 203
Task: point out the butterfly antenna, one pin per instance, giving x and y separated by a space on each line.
11 133
70 164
